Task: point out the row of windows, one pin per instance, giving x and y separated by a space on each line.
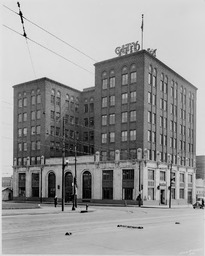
124 99
124 136
33 161
125 80
152 80
34 130
34 100
34 115
89 107
35 145
124 118
23 94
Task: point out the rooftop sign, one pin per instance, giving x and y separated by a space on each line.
132 47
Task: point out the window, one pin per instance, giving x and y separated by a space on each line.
38 129
91 121
57 116
25 146
132 135
161 139
162 82
104 120
128 174
85 108
38 145
20 103
112 119
133 153
19 147
124 79
181 193
133 77
154 98
150 75
133 116
150 193
112 82
33 100
19 118
112 137
181 177
149 97
149 137
104 155
52 115
165 140
124 98
33 145
149 117
124 136
33 115
86 122
153 118
104 138
38 99
189 178
24 131
91 107
124 117
104 102
150 174
133 96
154 137
154 83
112 100
104 83
162 176
24 117
85 136
24 102
161 121
38 114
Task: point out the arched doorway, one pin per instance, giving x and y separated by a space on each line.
87 185
68 186
51 184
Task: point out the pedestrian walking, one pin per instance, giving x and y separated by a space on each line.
55 201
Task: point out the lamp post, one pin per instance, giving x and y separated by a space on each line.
170 184
42 163
140 160
75 179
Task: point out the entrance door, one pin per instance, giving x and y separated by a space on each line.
162 196
189 197
68 186
51 185
87 185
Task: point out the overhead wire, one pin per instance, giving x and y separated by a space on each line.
58 38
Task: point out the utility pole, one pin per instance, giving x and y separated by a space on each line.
75 178
170 186
63 166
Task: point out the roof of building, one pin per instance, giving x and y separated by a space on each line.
151 56
46 79
5 188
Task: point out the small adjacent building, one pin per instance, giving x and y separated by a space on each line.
7 194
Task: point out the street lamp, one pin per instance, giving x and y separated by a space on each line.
171 178
75 180
140 160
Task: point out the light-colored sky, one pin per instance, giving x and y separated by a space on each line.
176 28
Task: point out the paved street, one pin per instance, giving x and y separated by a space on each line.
176 231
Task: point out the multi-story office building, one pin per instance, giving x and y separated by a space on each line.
138 105
200 167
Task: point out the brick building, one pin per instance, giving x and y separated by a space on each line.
139 120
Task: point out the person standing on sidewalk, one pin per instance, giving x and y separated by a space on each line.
55 201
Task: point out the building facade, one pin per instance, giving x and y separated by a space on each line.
200 167
138 123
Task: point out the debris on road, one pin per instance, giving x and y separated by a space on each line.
125 226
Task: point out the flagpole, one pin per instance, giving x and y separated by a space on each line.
142 27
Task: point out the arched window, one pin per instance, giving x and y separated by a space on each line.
68 186
87 185
51 184
150 75
124 76
155 77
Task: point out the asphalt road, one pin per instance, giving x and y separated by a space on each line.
103 231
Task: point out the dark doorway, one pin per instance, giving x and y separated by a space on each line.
51 185
162 196
87 181
68 186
